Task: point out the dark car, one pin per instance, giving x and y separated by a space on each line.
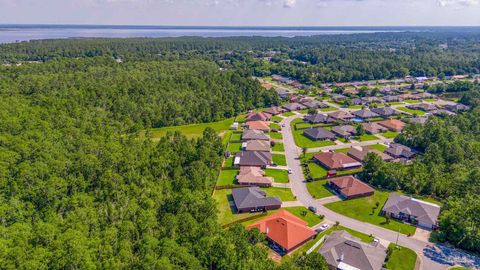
313 209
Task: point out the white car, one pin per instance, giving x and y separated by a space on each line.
289 171
322 228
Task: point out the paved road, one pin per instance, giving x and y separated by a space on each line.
432 256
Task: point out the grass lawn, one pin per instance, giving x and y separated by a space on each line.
287 114
366 137
275 126
361 209
279 176
234 147
277 119
343 150
378 147
275 135
285 194
304 142
395 103
343 140
279 159
329 109
226 213
411 101
318 189
305 214
430 100
363 237
304 111
236 136
228 162
278 147
349 172
402 258
227 177
355 107
390 134
190 131
415 112
317 171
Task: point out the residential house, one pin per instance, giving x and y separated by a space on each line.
256 145
350 187
283 94
345 131
423 107
338 97
369 100
318 118
418 212
374 128
357 101
253 199
253 158
360 153
341 116
392 99
284 230
336 161
425 95
400 151
253 176
441 112
408 96
319 134
314 104
274 110
343 251
258 125
258 116
365 114
418 120
293 107
253 134
393 124
457 108
385 112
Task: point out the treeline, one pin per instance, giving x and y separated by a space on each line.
141 94
448 169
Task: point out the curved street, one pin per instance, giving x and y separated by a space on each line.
432 256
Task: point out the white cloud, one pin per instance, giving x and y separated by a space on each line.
289 3
444 3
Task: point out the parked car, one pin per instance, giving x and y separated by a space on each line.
312 208
289 171
322 228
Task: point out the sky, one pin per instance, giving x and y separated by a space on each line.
243 12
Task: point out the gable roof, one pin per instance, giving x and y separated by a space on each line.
319 133
258 116
253 197
294 106
400 150
258 125
253 158
385 111
341 115
342 250
334 160
345 130
284 228
359 153
253 175
314 104
374 128
423 106
257 145
318 118
424 212
274 110
252 134
350 186
365 113
393 124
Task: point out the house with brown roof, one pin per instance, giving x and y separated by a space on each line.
423 107
343 251
393 124
341 116
374 128
385 111
253 199
360 153
345 131
293 107
258 116
258 125
274 110
318 118
336 161
253 159
256 145
365 114
400 151
350 187
285 230
253 176
252 134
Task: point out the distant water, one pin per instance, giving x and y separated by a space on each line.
16 33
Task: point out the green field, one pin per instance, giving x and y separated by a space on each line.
191 131
276 119
278 147
411 101
275 135
285 194
355 107
402 258
366 137
236 136
234 147
318 189
279 176
430 100
275 126
305 214
343 150
226 212
227 177
396 103
378 147
389 134
361 209
279 159
329 109
228 162
286 114
317 171
414 112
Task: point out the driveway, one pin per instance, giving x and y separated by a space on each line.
433 256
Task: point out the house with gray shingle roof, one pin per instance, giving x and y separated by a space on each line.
365 114
252 134
253 199
253 158
318 134
385 111
343 251
418 212
318 118
345 131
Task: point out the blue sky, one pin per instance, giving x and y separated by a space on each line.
243 12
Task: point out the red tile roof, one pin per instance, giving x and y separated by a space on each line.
258 116
285 229
258 125
350 186
335 161
393 124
